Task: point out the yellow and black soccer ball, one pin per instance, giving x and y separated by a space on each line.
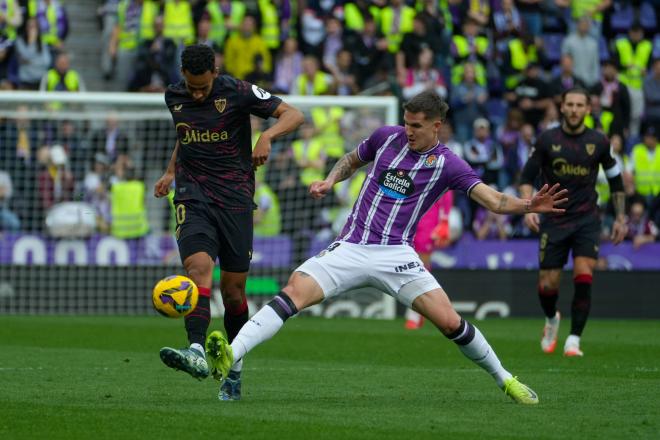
175 296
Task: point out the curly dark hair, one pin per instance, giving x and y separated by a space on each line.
198 59
429 103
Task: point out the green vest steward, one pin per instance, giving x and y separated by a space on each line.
633 62
327 121
580 7
129 214
479 73
520 58
218 32
71 80
271 222
310 150
130 38
178 23
49 37
353 18
319 84
8 30
463 51
270 24
647 170
405 25
606 118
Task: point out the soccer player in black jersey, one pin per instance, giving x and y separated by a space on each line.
570 155
213 168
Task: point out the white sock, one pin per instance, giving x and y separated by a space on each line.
572 341
553 320
261 327
238 366
480 352
199 348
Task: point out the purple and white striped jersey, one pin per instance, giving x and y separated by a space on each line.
400 187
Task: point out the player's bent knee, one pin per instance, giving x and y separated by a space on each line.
303 290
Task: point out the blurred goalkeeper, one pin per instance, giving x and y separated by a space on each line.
213 166
410 171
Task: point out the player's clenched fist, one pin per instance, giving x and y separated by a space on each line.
318 190
162 187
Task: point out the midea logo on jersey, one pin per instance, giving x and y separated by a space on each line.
396 183
187 134
562 168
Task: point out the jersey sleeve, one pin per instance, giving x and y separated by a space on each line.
461 176
367 149
532 167
255 100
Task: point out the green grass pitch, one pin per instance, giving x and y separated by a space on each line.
101 378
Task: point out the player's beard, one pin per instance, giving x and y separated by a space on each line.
573 127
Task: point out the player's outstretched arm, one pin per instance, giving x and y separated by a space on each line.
288 119
343 169
162 186
546 200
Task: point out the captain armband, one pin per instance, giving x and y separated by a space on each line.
614 178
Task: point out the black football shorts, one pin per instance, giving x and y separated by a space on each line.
580 238
223 234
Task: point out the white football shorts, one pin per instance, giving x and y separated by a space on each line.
393 269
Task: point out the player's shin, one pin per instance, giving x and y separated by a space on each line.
236 316
581 303
476 348
197 322
263 325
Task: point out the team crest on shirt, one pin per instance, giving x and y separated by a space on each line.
591 148
396 184
556 148
220 104
431 161
177 108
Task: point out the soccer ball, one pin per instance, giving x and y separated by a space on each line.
175 296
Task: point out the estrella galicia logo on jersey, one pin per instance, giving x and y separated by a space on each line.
187 134
220 104
431 161
407 266
562 168
590 149
396 183
259 92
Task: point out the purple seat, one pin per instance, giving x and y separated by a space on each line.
552 46
647 17
603 50
622 17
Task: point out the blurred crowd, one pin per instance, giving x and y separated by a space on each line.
501 64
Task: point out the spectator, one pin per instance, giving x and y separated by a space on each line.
652 95
583 48
287 67
507 22
95 186
259 76
345 75
436 29
55 181
424 77
110 140
646 165
10 19
178 22
243 47
565 79
356 13
520 53
508 133
127 205
472 47
107 16
490 226
204 34
550 118
613 101
53 21
593 10
446 138
224 17
33 55
267 217
396 20
516 156
641 229
156 65
531 95
61 78
412 45
332 44
310 155
9 221
484 154
479 11
368 49
468 103
530 13
312 31
68 136
312 81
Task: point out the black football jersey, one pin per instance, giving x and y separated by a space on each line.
573 162
214 161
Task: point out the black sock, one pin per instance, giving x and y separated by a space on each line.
197 322
581 304
548 298
236 315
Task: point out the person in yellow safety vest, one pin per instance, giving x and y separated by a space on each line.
633 56
270 24
267 217
520 52
590 8
646 164
312 81
128 209
178 22
355 12
12 18
226 17
396 20
309 154
242 48
327 121
135 24
52 19
61 78
613 101
470 46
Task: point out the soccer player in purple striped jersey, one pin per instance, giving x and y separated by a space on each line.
410 171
